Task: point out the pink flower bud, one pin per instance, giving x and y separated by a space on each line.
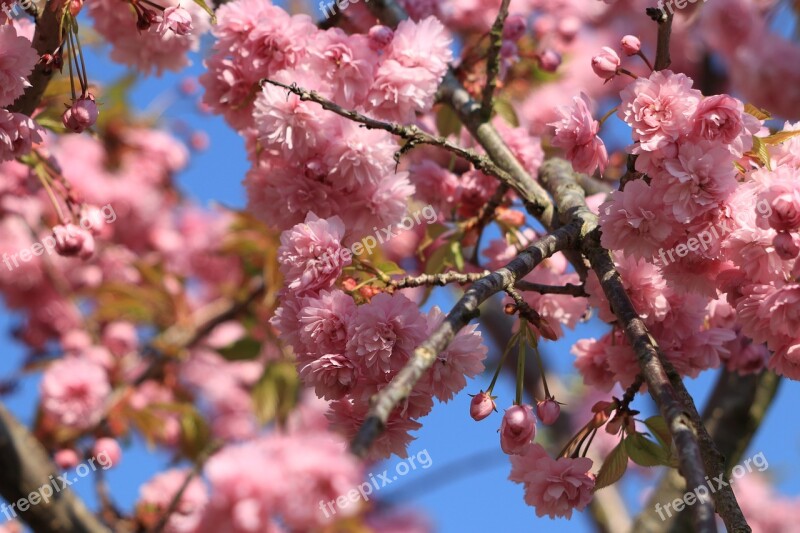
176 19
481 406
514 28
569 27
81 115
73 241
547 411
509 50
380 37
66 458
785 246
631 45
549 60
107 452
606 63
517 429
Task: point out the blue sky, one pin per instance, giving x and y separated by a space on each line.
480 497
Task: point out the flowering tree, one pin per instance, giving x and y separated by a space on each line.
281 351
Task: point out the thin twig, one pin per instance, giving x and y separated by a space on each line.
569 288
493 61
412 133
437 279
384 402
197 468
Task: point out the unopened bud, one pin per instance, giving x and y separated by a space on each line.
549 60
631 45
606 63
547 411
481 406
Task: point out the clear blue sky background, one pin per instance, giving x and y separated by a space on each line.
480 498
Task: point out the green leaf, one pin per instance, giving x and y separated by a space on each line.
242 350
506 110
275 394
447 122
645 452
658 427
613 467
458 256
207 9
781 136
760 114
389 268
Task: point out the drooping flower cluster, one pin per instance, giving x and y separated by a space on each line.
553 486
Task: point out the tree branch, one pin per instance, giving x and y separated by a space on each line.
46 39
411 133
384 402
25 467
536 200
733 414
493 61
670 395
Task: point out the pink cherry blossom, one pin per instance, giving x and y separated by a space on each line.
74 392
424 44
576 133
634 221
156 495
553 486
722 118
18 133
384 332
175 19
462 359
309 254
16 64
659 109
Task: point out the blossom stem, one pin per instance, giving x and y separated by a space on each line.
644 58
605 117
493 61
522 343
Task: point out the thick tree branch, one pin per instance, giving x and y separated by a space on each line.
464 311
664 385
733 414
24 469
45 40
